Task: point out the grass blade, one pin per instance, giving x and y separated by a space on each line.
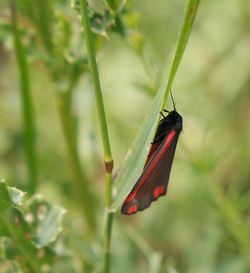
133 164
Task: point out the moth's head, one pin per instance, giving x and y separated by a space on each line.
176 119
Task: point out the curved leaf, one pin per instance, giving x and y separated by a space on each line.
47 221
133 164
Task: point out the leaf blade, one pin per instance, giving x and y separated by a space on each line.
134 161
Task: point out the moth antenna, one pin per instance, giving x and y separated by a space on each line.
172 99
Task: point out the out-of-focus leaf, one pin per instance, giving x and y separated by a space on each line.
105 16
9 248
64 266
115 4
145 88
27 229
137 41
12 218
47 222
9 267
132 19
16 196
99 23
3 231
155 262
5 30
97 6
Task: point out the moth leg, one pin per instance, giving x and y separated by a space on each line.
162 114
164 110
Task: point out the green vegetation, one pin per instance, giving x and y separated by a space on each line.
79 80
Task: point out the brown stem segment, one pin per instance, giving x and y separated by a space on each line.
109 166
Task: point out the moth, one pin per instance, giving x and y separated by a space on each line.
153 181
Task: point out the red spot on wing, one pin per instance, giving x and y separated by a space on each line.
132 209
167 142
158 191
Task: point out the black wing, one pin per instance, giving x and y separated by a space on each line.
153 181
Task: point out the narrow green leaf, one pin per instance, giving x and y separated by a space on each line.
187 23
133 164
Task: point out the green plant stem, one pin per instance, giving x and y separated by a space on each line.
108 223
108 160
95 77
27 107
43 21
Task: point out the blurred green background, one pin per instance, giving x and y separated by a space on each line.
203 223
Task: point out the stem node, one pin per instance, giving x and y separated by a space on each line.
109 166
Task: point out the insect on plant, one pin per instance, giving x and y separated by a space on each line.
154 179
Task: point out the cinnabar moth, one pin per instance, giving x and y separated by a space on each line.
154 179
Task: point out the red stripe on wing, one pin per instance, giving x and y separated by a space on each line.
168 140
153 148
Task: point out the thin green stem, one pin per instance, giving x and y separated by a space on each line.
108 224
27 107
108 196
95 77
108 160
43 21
